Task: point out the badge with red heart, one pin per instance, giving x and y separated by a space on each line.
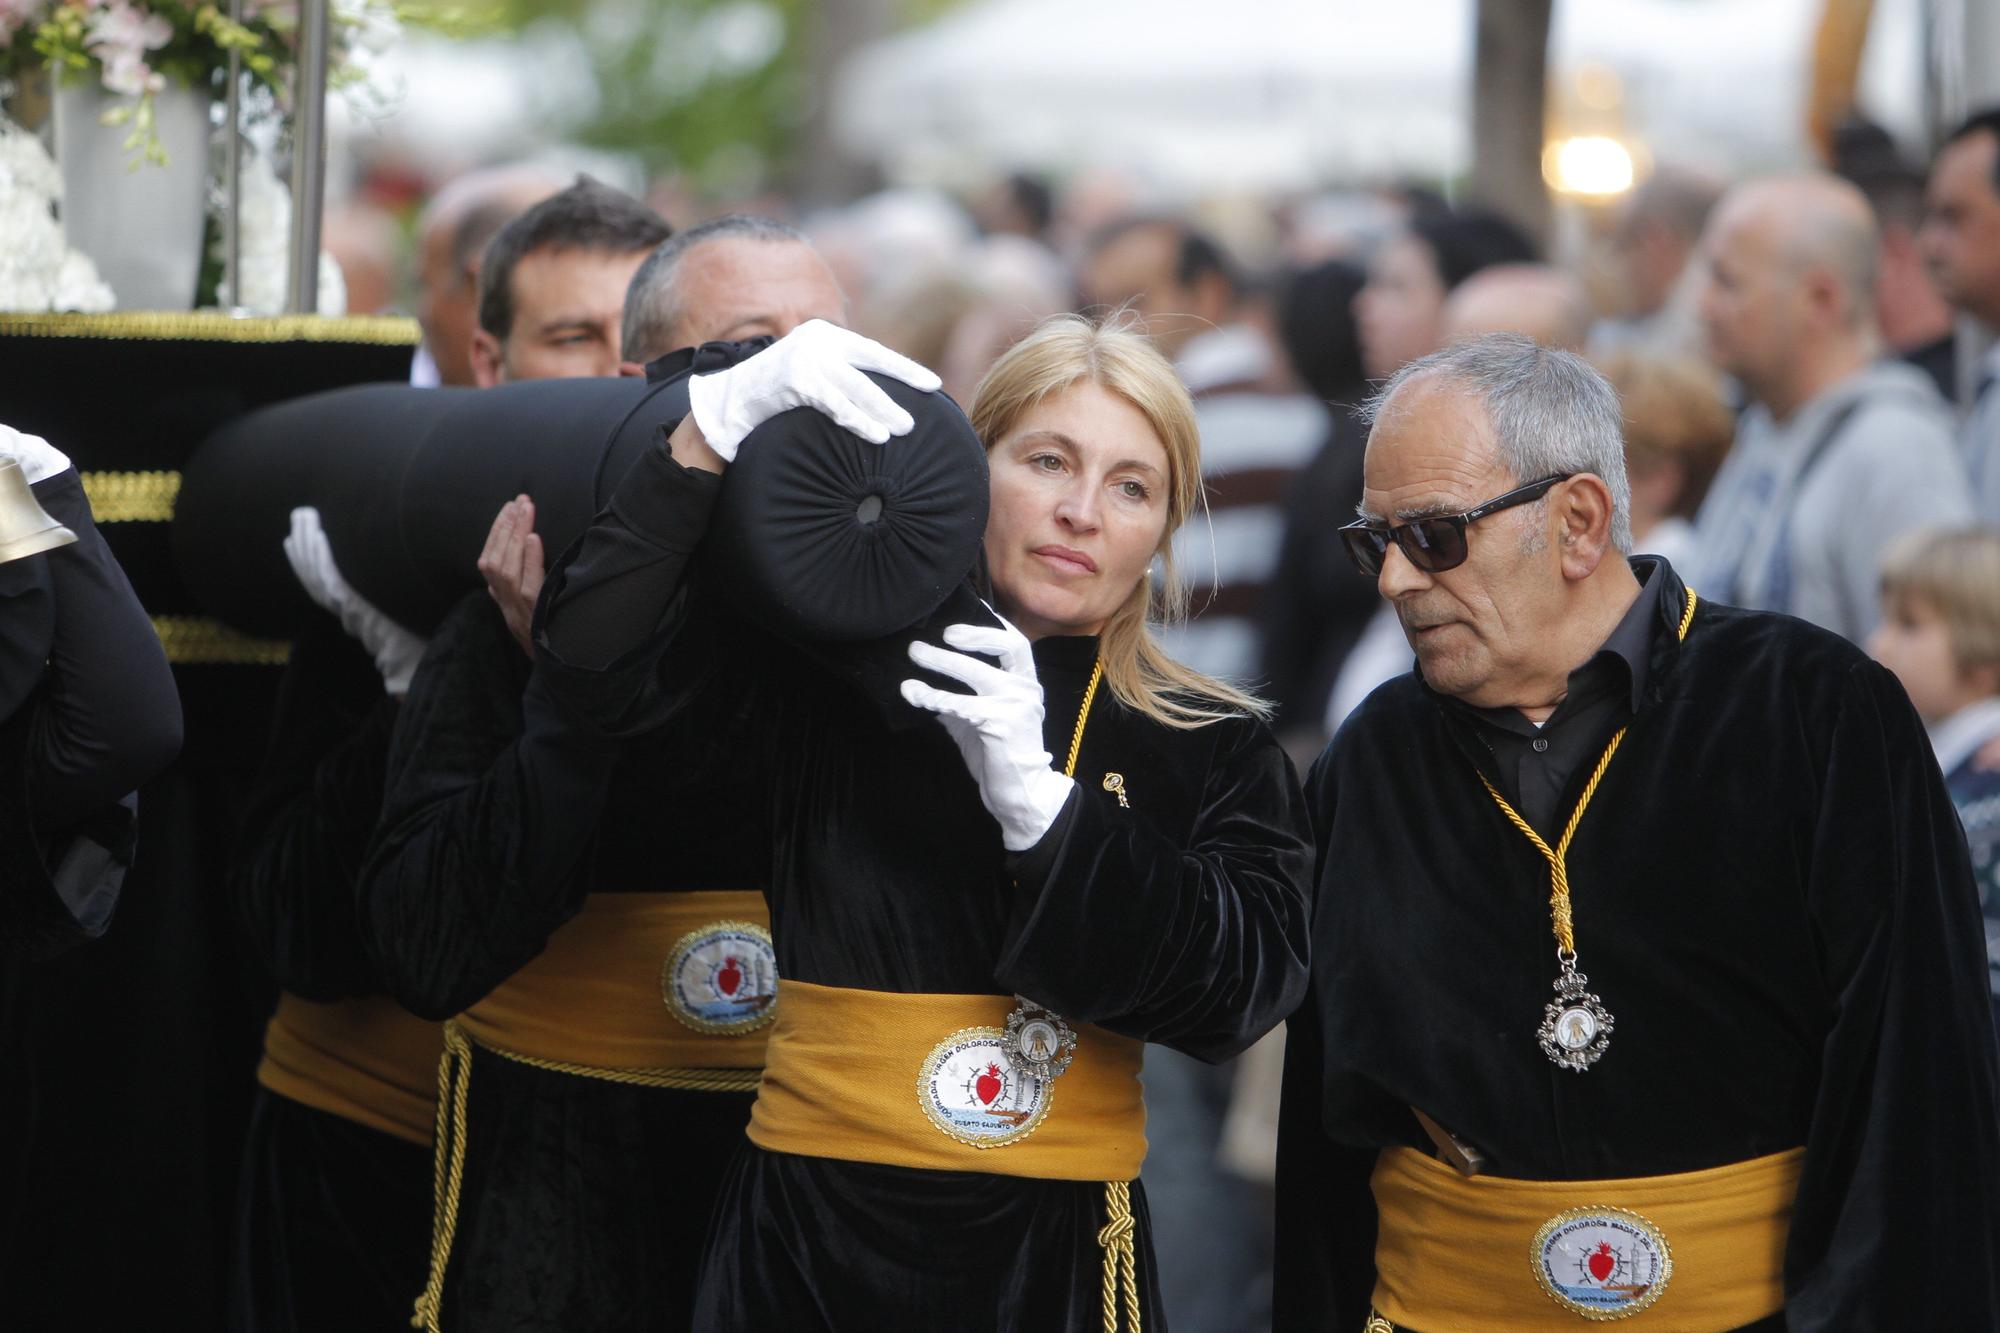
973 1092
1602 1263
722 978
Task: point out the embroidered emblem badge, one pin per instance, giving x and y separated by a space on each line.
1602 1263
974 1093
722 978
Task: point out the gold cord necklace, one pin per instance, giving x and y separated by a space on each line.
1576 1027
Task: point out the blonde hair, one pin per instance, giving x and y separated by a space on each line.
1956 573
1674 413
1068 350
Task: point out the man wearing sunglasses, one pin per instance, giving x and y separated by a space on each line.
1648 972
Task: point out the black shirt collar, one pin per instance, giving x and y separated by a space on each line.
1623 662
1632 641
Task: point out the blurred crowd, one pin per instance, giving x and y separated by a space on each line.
1810 425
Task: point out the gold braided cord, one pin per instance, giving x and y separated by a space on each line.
684 1080
213 326
131 497
1118 1238
199 641
448 1142
447 1170
1559 908
1377 1324
1083 716
1561 916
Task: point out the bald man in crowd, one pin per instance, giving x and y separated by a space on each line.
1842 449
1539 300
726 280
451 236
1654 255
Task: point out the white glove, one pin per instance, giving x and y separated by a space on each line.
39 459
396 651
998 728
816 365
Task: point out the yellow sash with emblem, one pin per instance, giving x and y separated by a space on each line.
655 990
1694 1252
925 1081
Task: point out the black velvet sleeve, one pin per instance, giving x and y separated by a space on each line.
489 807
56 890
27 627
1897 1223
110 718
1323 1266
614 600
318 796
1198 945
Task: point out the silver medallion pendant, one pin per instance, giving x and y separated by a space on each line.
1038 1041
1576 1027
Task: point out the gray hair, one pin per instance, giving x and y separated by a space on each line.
652 303
1552 413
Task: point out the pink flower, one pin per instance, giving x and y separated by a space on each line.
119 35
18 14
120 25
127 74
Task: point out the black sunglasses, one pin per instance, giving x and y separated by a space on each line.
1437 543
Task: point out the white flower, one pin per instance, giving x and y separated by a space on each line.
38 270
119 35
127 74
264 227
79 288
120 25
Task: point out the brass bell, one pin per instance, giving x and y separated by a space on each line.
25 527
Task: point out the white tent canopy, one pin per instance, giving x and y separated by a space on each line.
1196 96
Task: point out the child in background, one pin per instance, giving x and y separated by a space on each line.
1940 634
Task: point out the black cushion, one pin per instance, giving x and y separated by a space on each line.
822 537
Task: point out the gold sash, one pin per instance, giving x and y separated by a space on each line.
847 1073
595 1000
841 1079
368 1060
599 1002
1455 1251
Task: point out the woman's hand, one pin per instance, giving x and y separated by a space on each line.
512 566
998 727
816 365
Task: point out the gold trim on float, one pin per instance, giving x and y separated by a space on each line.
200 641
132 497
216 326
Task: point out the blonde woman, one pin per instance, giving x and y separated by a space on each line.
978 923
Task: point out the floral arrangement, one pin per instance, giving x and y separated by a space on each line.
38 269
135 48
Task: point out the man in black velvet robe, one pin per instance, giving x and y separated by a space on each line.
584 1202
88 712
1767 895
334 1208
